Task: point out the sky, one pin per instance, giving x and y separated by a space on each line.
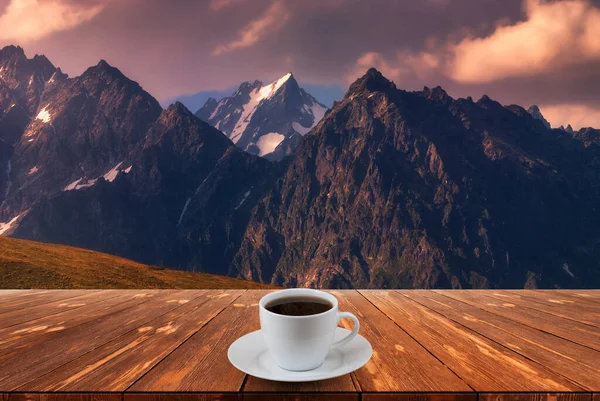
522 52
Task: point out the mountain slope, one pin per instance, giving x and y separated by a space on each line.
183 203
74 131
416 189
28 264
265 120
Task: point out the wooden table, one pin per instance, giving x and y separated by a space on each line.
172 345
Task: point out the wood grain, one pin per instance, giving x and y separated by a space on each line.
32 301
577 332
534 397
474 358
399 363
301 397
161 345
419 397
181 397
44 328
32 361
119 363
581 311
576 362
587 296
64 397
201 364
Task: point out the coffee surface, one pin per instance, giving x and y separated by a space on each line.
296 307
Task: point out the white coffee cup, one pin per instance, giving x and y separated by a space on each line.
300 343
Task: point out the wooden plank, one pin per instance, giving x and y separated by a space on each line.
569 329
399 363
419 397
45 309
301 397
535 397
119 363
201 364
579 296
44 328
182 397
6 292
64 397
25 364
580 311
485 365
18 301
576 362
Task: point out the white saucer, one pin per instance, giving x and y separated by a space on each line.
249 354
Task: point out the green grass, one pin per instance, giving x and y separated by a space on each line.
28 264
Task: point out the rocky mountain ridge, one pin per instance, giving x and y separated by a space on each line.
391 189
265 120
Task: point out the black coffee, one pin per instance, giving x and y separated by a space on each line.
298 306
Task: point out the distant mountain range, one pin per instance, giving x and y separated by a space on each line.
388 189
265 120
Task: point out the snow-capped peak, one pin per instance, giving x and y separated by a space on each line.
269 90
278 111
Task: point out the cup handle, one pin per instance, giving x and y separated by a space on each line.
349 337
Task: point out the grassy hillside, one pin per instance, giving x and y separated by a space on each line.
28 264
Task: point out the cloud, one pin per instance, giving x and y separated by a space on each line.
553 35
258 29
403 68
578 115
29 20
217 5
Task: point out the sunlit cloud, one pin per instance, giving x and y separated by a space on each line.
28 20
404 66
217 5
578 115
554 34
258 29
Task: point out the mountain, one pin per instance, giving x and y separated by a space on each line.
390 189
416 189
537 114
28 264
568 129
72 131
181 204
265 120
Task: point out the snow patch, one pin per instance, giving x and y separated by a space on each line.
214 113
80 184
268 142
300 129
187 203
44 115
566 268
243 200
127 170
33 170
317 112
4 227
112 174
